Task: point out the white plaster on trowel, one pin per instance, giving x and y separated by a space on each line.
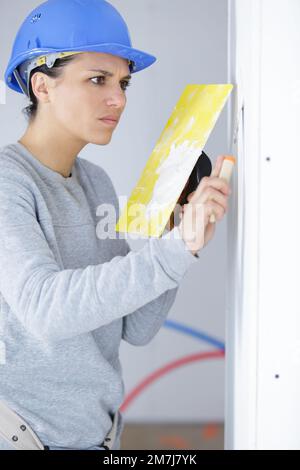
173 174
190 124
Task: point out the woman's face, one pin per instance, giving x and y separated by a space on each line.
91 87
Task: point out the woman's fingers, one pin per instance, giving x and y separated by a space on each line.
216 210
217 196
211 194
208 200
218 183
217 168
206 182
212 180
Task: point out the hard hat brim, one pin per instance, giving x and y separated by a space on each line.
140 58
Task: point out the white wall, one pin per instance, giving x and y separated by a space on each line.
263 323
190 40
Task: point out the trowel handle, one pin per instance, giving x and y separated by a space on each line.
226 172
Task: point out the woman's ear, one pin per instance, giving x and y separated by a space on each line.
40 86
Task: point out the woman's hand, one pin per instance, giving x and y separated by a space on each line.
209 198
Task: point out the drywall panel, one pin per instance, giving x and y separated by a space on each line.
262 309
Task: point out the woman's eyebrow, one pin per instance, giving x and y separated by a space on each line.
108 74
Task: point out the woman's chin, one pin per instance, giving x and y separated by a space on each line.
101 140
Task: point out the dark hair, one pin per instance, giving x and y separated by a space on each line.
54 72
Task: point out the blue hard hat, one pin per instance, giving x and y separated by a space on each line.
60 26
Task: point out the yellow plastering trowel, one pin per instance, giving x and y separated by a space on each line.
170 164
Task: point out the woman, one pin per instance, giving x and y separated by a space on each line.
68 296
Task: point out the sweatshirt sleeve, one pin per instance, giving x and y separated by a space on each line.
140 327
55 304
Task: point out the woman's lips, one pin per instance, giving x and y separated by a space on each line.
109 122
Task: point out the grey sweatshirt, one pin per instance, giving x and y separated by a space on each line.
68 298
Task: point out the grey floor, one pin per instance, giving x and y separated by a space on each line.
204 436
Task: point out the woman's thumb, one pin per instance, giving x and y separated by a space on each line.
217 168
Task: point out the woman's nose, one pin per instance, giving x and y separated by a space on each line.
117 98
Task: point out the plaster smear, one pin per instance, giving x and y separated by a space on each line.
173 173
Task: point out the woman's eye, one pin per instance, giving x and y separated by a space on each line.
96 78
124 84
